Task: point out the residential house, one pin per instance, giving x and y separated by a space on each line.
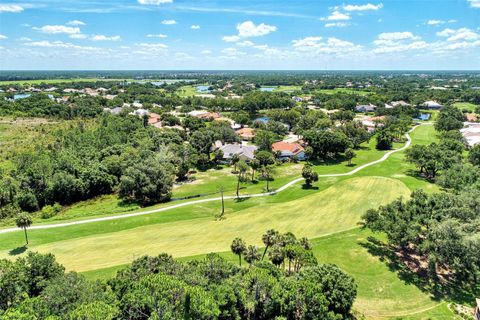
245 153
477 310
288 150
246 133
366 108
153 118
139 112
209 115
115 111
233 124
471 133
471 117
400 103
373 122
197 113
432 105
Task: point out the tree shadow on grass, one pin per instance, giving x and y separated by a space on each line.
307 187
243 199
17 251
438 290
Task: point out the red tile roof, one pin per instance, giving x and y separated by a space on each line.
294 148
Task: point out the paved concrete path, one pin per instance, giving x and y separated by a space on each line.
141 213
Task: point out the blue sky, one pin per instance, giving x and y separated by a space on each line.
242 34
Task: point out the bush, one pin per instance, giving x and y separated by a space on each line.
51 211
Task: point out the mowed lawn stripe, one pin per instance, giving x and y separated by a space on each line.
335 209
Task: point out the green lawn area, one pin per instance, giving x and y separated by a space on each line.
341 207
470 107
344 90
381 293
287 88
328 214
55 81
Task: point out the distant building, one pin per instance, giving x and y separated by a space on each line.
246 133
245 153
477 310
432 105
289 150
153 118
471 133
366 108
116 111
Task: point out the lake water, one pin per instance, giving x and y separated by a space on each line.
267 89
203 89
21 96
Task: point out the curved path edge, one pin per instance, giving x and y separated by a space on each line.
289 184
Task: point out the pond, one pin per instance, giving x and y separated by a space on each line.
21 96
203 89
268 89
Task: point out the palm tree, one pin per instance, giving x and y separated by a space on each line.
267 174
242 169
238 247
251 255
290 253
277 255
234 160
269 239
23 221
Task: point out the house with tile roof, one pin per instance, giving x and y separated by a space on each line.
287 150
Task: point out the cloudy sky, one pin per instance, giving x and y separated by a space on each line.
241 34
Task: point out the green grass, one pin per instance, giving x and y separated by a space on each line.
55 81
470 107
335 209
381 293
344 90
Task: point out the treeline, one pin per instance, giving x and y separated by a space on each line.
439 231
37 287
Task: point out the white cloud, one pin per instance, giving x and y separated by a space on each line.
474 3
231 38
55 29
154 2
249 29
364 7
336 16
233 52
160 35
169 22
246 43
336 24
401 47
315 46
60 44
395 36
195 27
13 8
307 42
101 37
78 36
24 39
435 22
459 34
206 52
445 32
76 23
390 42
3 37
153 46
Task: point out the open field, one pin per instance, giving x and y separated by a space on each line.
55 81
381 293
470 107
344 90
335 209
327 214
